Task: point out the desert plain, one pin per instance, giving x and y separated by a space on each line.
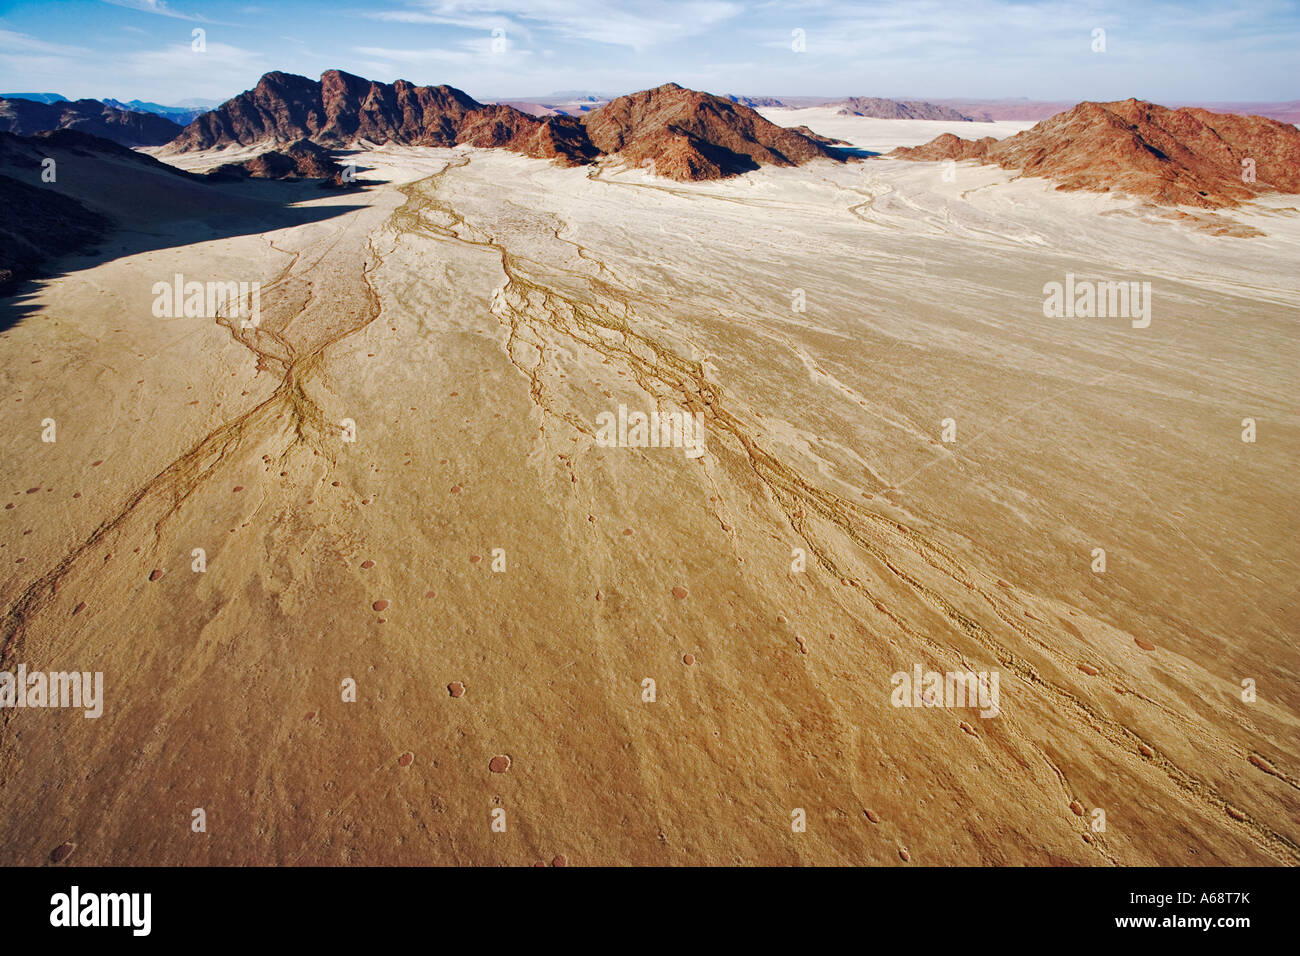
907 464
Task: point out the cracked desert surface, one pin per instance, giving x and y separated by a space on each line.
496 583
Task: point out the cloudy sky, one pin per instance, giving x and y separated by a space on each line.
1168 52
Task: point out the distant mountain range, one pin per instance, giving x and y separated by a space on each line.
1185 156
557 105
184 115
182 112
1035 110
898 109
35 97
24 117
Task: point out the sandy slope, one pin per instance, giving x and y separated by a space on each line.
473 316
882 135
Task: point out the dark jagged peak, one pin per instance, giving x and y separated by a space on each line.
282 107
341 109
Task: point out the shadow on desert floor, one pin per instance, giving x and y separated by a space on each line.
851 152
244 208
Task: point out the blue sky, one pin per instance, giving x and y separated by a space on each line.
1167 52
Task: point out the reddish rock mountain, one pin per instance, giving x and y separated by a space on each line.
1035 110
1171 157
129 128
688 135
691 135
300 160
551 137
341 108
948 146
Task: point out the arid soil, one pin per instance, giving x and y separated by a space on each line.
500 587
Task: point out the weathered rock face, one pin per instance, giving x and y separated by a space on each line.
282 107
947 146
129 128
688 135
355 108
553 137
341 108
692 135
1186 156
300 160
899 109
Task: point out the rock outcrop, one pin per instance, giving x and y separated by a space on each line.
1186 156
686 134
690 135
899 109
341 109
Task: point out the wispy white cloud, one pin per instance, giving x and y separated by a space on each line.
158 7
13 42
636 25
1168 49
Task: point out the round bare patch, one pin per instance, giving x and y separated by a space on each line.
62 852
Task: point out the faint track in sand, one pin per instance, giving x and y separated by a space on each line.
175 483
604 325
